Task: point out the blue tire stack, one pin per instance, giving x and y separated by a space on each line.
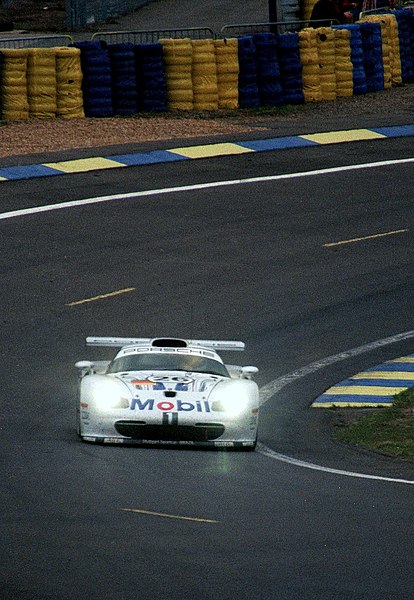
150 74
248 87
268 72
359 77
290 68
372 47
124 83
97 79
405 20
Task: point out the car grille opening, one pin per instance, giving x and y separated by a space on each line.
139 430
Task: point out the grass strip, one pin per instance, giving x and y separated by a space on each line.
387 430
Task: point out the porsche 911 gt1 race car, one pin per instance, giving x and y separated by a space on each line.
167 391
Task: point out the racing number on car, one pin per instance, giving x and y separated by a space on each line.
170 418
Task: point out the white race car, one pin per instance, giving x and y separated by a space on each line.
167 391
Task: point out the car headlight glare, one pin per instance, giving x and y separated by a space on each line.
232 404
107 395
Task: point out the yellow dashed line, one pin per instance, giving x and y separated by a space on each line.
334 137
100 297
166 516
210 150
84 164
367 237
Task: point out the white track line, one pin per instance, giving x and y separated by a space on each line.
262 449
199 186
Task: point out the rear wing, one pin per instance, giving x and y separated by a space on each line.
121 342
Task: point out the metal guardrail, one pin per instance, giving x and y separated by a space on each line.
47 41
238 30
144 37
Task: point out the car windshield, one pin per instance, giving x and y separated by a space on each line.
167 362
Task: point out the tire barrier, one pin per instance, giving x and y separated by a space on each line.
99 79
227 64
343 66
372 50
41 82
124 82
268 70
326 50
204 75
359 78
69 98
248 85
290 68
405 24
309 57
178 61
14 102
151 82
390 48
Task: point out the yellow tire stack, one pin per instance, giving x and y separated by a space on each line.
69 99
227 64
15 105
204 75
41 82
309 57
325 37
178 71
390 48
343 65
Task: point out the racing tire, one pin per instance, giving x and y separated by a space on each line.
78 427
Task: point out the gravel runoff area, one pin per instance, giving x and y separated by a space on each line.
394 106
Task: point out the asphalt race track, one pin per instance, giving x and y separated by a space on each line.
245 261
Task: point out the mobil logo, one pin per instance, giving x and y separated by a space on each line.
168 405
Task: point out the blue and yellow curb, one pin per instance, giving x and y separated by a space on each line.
374 387
85 165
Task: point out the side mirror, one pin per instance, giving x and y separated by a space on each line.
85 366
248 372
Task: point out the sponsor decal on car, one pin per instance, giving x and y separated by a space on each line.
179 383
142 382
167 405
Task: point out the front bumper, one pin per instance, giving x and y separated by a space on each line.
247 444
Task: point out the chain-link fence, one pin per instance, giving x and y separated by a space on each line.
145 37
46 41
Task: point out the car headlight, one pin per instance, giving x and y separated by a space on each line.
234 402
107 394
